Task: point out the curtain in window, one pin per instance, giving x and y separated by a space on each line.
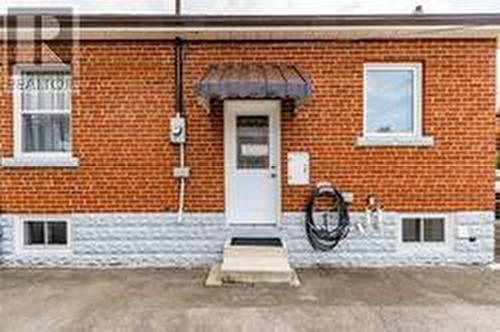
48 133
46 105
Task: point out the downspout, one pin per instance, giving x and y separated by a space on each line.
179 113
178 7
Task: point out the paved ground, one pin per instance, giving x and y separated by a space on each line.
433 299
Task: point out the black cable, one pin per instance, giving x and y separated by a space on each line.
325 237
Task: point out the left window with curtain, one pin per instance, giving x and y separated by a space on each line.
44 107
42 115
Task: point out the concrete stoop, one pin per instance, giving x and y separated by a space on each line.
253 264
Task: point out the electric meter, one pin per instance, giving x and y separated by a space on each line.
177 130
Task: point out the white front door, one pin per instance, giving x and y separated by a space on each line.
252 165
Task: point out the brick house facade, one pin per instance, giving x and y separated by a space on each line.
121 198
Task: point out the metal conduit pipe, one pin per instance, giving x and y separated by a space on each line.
179 110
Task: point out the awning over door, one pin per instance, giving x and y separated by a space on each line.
237 81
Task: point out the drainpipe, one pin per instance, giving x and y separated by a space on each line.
178 7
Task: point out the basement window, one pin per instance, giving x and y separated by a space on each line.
423 230
44 234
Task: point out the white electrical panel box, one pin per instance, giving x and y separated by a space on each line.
177 130
298 168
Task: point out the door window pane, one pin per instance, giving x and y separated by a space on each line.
252 135
390 101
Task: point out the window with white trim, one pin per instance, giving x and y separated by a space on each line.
423 230
392 100
44 234
42 111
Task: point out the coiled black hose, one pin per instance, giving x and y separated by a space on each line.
335 226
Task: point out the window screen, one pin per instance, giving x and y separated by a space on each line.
34 233
433 230
411 230
252 142
45 233
57 233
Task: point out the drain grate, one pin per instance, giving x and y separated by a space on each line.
257 241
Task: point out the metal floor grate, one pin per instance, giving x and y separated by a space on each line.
257 241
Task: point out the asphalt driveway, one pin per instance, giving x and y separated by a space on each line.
395 299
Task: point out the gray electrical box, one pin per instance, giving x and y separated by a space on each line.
177 130
181 172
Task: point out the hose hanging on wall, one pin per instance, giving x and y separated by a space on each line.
335 217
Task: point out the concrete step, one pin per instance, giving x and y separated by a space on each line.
258 276
217 278
256 263
253 263
254 251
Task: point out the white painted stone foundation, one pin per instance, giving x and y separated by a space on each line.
156 239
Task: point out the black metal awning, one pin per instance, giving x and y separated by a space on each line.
253 81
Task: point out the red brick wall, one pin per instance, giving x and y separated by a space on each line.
498 132
120 129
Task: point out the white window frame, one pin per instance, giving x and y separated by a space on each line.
420 246
30 158
416 68
45 249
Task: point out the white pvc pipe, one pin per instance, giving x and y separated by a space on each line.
182 185
181 202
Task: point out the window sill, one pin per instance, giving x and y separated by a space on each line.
62 162
45 251
397 141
